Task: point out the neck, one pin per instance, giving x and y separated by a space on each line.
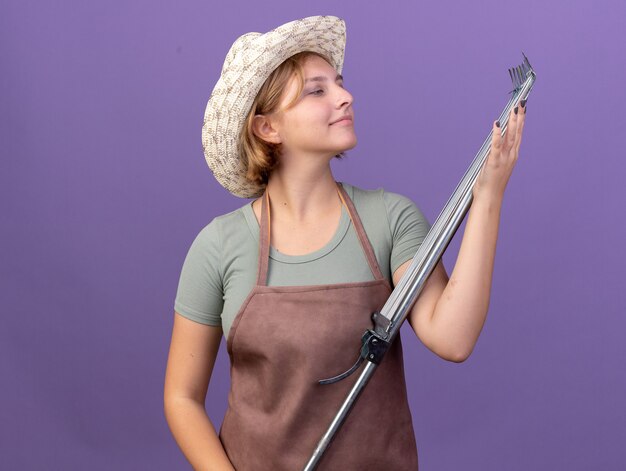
300 195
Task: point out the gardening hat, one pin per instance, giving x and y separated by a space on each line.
249 62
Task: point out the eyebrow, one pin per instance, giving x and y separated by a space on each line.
321 78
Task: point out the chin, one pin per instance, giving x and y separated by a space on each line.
352 145
347 144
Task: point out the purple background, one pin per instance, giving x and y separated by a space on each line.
104 186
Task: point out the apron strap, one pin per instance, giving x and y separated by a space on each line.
360 232
264 237
264 241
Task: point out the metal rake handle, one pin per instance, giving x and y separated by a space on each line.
426 258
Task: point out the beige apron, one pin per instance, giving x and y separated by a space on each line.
286 338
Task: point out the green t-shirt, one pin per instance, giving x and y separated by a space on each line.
220 268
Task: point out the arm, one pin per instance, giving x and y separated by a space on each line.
190 363
449 314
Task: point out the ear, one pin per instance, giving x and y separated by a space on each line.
263 128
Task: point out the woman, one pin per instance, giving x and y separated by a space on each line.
292 279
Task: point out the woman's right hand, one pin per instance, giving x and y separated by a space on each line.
192 354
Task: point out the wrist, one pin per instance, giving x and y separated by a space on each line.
491 202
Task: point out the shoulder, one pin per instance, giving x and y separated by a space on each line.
379 200
225 222
233 218
373 212
390 214
362 197
212 237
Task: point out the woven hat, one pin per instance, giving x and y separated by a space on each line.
249 62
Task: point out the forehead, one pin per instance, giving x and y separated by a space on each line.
316 63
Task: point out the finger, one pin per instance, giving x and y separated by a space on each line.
520 124
496 139
511 130
520 130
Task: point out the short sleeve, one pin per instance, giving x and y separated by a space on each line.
408 228
200 288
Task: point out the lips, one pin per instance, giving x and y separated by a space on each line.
344 118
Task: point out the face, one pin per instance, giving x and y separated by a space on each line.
314 126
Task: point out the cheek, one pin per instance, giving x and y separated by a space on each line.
313 123
308 125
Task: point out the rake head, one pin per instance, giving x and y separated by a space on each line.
520 73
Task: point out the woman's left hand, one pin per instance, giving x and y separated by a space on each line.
498 167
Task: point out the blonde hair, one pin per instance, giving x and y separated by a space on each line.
261 157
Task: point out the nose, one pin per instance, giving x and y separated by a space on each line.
344 97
